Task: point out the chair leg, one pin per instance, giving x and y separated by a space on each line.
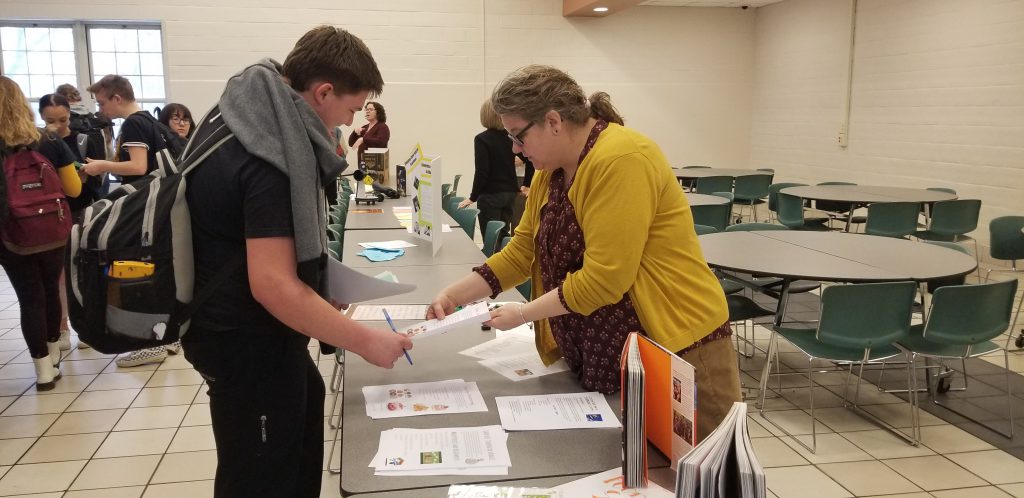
335 439
1009 401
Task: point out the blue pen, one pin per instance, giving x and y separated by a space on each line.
393 329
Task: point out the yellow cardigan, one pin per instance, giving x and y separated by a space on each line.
639 236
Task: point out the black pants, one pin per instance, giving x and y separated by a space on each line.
267 406
496 207
36 281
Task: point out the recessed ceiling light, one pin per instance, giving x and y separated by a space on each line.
600 9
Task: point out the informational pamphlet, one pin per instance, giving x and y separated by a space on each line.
556 411
425 398
512 342
443 451
609 484
475 313
523 367
375 312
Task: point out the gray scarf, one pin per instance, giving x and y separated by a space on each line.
275 124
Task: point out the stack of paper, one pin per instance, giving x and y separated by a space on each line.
375 312
513 354
500 492
425 398
724 463
555 411
444 451
473 314
609 483
387 245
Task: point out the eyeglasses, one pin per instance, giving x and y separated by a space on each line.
177 120
518 137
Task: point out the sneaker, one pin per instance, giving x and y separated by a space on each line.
65 340
142 357
173 348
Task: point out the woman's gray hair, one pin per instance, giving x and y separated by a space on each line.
531 91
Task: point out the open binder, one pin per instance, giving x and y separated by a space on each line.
724 464
659 404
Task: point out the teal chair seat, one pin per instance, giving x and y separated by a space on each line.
805 341
918 344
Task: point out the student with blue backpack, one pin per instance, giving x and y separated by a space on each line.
35 220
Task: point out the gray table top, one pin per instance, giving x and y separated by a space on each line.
381 217
429 280
866 194
703 172
832 256
535 454
456 249
705 199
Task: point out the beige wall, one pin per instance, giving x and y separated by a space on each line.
682 76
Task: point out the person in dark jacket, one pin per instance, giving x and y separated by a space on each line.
374 134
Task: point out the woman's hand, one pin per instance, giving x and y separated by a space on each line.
360 130
357 144
465 203
507 317
442 306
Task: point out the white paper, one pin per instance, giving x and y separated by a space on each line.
477 491
443 451
608 484
375 312
444 227
475 313
524 366
347 286
556 411
424 398
387 244
514 342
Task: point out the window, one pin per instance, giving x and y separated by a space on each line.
40 56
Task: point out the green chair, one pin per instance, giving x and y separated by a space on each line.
704 229
752 190
926 207
445 189
847 334
712 184
1006 240
951 221
773 196
712 215
452 205
466 218
791 214
455 184
334 249
892 219
689 184
491 232
526 287
962 323
334 217
335 231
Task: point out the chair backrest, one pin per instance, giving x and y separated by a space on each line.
969 314
455 184
526 287
712 215
790 210
1006 237
491 231
866 316
754 227
452 205
335 230
709 184
445 188
752 187
334 216
773 194
334 249
704 229
892 219
466 217
956 217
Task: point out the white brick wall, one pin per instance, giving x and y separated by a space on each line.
938 96
681 75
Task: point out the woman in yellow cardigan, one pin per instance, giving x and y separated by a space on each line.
608 240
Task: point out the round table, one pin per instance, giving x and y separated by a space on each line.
705 199
862 195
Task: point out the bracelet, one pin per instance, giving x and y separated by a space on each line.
521 313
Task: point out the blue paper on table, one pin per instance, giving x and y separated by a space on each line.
378 255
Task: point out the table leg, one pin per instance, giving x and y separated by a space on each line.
849 216
780 313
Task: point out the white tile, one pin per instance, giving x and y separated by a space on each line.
71 384
174 362
25 425
104 400
165 396
831 448
1016 490
62 448
898 415
87 354
83 367
199 415
842 419
193 489
192 466
868 478
18 371
994 466
134 443
772 452
796 422
982 492
947 438
82 422
126 492
883 444
126 380
176 377
157 417
197 438
40 477
7 401
802 482
40 403
12 449
933 473
15 387
116 472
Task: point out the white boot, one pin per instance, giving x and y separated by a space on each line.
46 373
54 349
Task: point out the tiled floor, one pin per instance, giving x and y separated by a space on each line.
145 432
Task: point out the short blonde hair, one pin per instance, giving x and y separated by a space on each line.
488 118
113 84
17 126
531 91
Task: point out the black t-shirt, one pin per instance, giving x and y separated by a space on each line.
139 130
234 196
92 184
54 150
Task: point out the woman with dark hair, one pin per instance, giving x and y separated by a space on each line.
608 241
35 273
374 134
178 118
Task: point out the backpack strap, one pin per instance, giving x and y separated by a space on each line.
82 140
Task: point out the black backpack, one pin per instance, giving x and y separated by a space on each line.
130 272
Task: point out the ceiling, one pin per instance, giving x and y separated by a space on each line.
708 3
